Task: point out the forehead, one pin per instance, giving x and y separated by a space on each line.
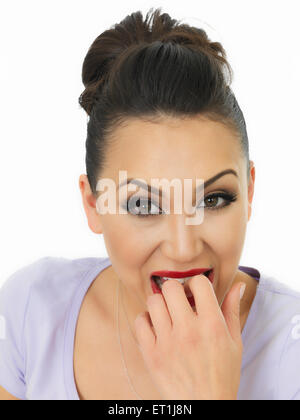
174 147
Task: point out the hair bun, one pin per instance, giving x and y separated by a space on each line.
131 31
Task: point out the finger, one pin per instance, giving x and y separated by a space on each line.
159 315
144 331
178 305
205 299
231 311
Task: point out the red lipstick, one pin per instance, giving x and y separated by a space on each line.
180 274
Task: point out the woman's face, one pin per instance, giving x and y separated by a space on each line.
194 148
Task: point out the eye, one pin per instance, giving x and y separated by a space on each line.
140 207
227 198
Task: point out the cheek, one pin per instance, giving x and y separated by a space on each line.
126 245
226 233
227 236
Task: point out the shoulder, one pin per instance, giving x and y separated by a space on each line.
47 274
14 297
34 303
282 320
281 301
272 284
42 286
280 304
15 291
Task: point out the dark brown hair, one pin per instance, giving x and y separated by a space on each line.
151 69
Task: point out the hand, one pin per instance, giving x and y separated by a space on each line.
192 356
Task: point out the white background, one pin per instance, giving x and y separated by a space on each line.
43 129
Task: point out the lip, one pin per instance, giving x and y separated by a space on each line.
180 274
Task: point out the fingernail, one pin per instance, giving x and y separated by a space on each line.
242 290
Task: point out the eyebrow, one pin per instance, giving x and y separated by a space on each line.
159 191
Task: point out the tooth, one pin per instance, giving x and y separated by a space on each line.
181 280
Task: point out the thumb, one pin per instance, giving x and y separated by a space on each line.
231 310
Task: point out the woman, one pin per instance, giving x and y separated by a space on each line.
169 314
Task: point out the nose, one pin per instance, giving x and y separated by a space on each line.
182 242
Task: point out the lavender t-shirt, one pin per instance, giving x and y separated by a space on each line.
39 307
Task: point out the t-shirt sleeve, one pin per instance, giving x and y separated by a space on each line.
14 298
288 387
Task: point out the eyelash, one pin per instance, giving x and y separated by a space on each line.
228 197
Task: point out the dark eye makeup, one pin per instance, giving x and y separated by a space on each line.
227 196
